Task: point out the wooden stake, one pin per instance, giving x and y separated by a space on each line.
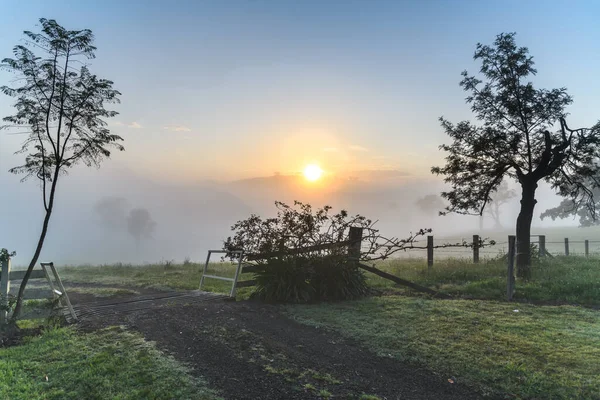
4 289
475 249
542 245
429 252
510 282
566 246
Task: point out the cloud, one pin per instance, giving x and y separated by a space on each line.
133 125
176 128
330 149
355 147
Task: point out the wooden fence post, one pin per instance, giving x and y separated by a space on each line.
542 245
4 289
355 239
587 248
566 246
510 282
475 249
429 251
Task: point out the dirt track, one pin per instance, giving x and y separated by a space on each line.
248 350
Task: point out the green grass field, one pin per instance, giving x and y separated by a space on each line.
112 363
573 280
539 352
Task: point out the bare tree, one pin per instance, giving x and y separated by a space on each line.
60 109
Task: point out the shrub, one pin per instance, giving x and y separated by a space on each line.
298 279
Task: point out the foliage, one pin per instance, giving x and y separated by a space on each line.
303 255
569 208
516 140
300 279
140 224
502 196
6 255
431 204
112 212
60 109
485 344
110 363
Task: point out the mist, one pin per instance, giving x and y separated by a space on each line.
185 219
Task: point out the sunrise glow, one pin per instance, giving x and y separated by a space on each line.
312 172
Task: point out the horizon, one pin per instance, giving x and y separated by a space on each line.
219 94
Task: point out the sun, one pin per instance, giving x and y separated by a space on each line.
312 172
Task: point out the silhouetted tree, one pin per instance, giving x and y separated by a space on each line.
431 204
112 212
502 196
516 139
60 108
140 224
570 208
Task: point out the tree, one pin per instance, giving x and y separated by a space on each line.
431 204
517 139
112 212
569 207
60 107
140 224
502 196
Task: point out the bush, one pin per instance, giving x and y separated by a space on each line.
307 279
302 253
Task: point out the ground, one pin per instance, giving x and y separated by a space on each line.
249 350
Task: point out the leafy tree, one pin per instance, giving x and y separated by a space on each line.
140 224
502 196
60 108
517 139
112 212
570 208
431 204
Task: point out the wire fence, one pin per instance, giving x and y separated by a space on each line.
455 247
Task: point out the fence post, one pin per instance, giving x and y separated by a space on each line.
510 282
475 249
566 246
587 248
4 289
542 245
355 239
429 252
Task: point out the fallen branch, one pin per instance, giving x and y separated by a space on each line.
403 282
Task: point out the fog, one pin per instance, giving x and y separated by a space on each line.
113 215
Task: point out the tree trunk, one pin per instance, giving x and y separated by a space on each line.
524 229
36 255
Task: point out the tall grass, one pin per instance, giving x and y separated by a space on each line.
560 279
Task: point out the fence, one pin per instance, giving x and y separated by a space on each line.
48 272
433 248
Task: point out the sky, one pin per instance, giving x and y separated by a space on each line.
218 91
234 89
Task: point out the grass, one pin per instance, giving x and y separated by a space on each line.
158 276
111 363
550 352
573 280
